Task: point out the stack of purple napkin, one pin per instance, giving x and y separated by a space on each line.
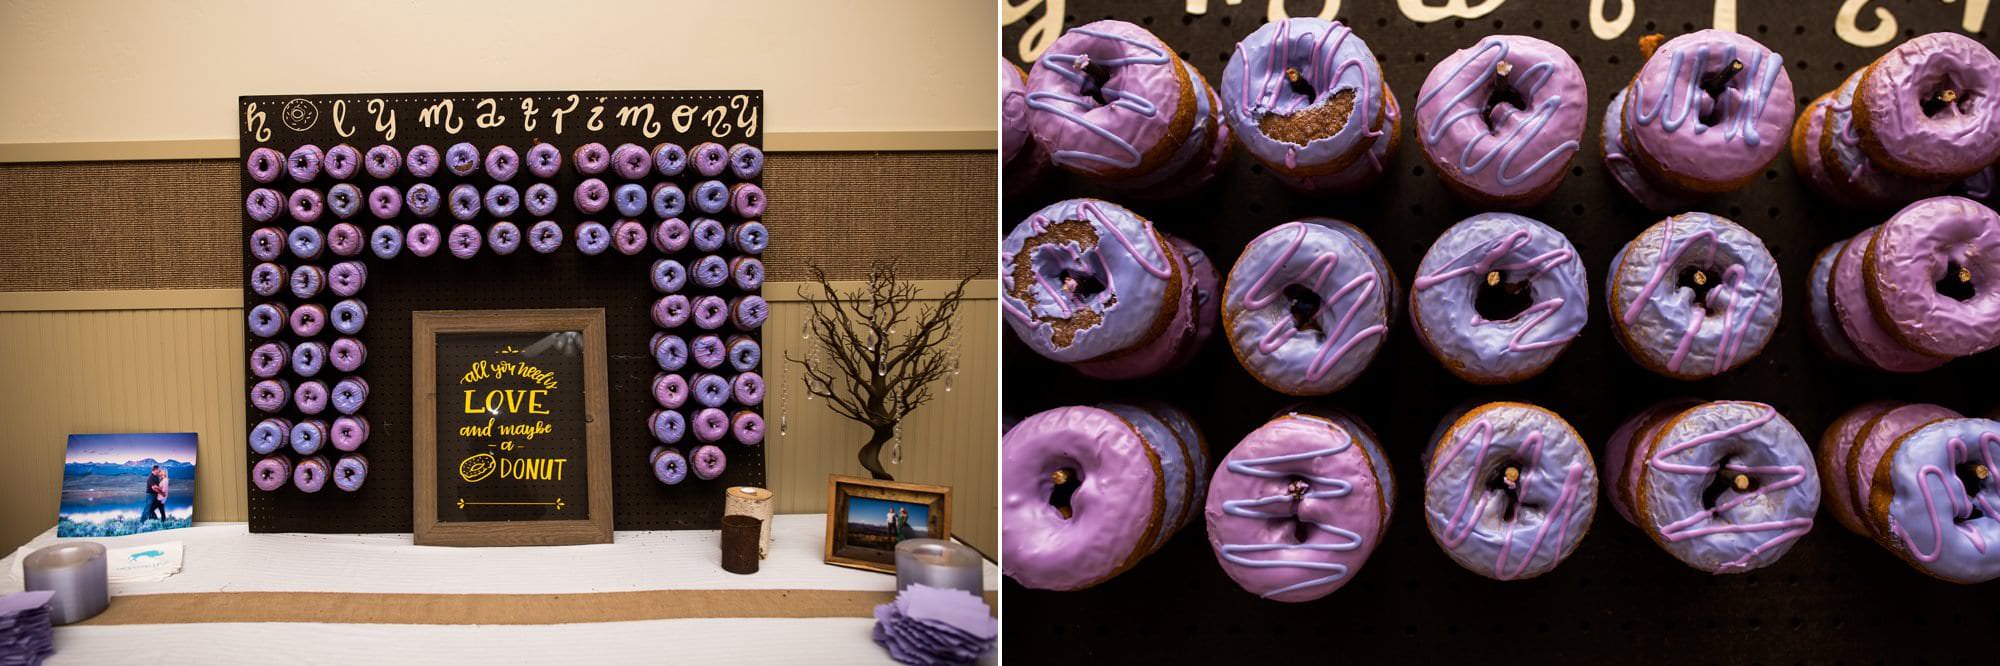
929 625
25 634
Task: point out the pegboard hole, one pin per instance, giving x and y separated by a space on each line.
1417 170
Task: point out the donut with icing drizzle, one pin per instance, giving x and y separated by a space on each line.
1307 305
1726 487
1297 507
1509 490
1694 296
1306 97
1708 111
1499 297
1501 120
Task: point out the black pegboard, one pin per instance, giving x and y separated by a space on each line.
567 278
1836 598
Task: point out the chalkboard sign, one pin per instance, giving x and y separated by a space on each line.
512 439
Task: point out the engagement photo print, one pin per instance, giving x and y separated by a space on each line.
114 485
874 523
866 518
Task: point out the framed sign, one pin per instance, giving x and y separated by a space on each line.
865 518
512 440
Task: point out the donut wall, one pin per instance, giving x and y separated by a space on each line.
1412 585
361 209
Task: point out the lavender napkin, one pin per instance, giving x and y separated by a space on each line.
928 625
26 637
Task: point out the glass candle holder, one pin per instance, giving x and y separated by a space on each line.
938 563
76 573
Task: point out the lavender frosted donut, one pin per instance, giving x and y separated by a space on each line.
1499 297
1938 501
671 311
592 195
1856 314
270 435
1865 456
744 352
1771 486
462 159
1305 96
629 237
1307 305
710 271
1111 102
423 200
344 239
383 161
1510 490
1511 102
267 243
1930 107
629 199
502 201
1826 332
342 161
669 276
1702 81
711 196
1082 495
308 358
270 395
308 319
350 472
304 163
747 200
271 473
668 465
346 354
709 424
540 199
502 163
711 390
386 241
305 242
305 205
349 316
545 237
311 473
264 165
707 235
1695 295
1933 274
308 436
1085 279
503 237
350 394
707 351
464 202
267 279
592 238
708 462
667 426
747 388
1854 175
591 158
464 241
267 319
348 433
1298 506
746 161
668 200
1835 449
344 200
544 160
631 162
747 313
310 396
669 351
347 278
671 235
669 159
268 359
749 237
709 158
423 160
1022 161
669 390
264 204
747 427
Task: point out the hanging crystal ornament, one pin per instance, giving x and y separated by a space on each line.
896 448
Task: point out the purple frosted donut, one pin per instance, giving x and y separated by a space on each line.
540 199
305 205
1939 504
1281 94
668 465
669 276
1855 176
386 241
464 202
747 388
1826 332
1872 441
545 237
503 237
1022 161
709 424
1622 468
629 199
310 396
746 161
591 158
308 357
709 158
1694 296
747 427
346 354
631 162
749 237
592 238
669 159
1321 478
1528 136
502 201
267 243
1928 107
424 239
344 239
307 280
311 473
268 359
350 394
344 200
668 200
349 316
264 165
350 472
708 462
462 159
1709 110
1109 101
1083 495
671 235
304 163
267 319
502 163
707 351
465 241
1499 297
1835 447
1509 490
710 271
747 199
264 204
711 196
710 312
342 161
308 436
270 435
711 390
1770 486
669 350
347 278
1103 281
305 242
747 313
423 160
267 279
544 160
1851 307
707 235
670 390
744 352
591 196
423 200
270 395
671 311
630 237
1625 169
271 473
383 161
1307 306
668 426
1933 274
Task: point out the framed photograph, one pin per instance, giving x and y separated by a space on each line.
114 485
512 445
865 519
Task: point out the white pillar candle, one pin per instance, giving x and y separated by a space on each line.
76 573
937 563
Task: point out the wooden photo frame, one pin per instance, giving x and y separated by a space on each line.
857 540
530 508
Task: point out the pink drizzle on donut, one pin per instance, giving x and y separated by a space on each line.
1461 522
1261 295
1542 263
1288 508
1040 224
1959 507
1733 328
1794 475
1262 89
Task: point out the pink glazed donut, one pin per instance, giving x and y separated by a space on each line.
1318 475
708 461
709 158
346 354
1709 110
1930 107
671 235
344 239
342 161
348 433
270 395
310 397
1856 315
1933 272
1835 447
305 205
748 388
747 199
465 241
424 239
271 472
710 312
1513 152
268 359
670 390
308 319
311 474
630 161
591 158
347 278
264 165
747 427
671 311
267 244
503 237
630 237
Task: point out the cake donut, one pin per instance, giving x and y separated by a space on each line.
1933 275
311 473
344 239
1768 486
1499 297
1694 296
305 205
630 161
591 158
711 196
543 160
669 351
1825 331
710 312
422 160
1307 305
1022 161
462 159
629 199
747 388
671 311
629 237
748 313
747 273
305 242
310 397
1930 107
264 204
592 195
1509 490
342 161
346 354
1086 280
668 465
709 158
671 235
308 436
1856 314
709 424
747 161
344 200
1864 458
747 427
383 161
386 241
709 272
539 200
423 200
464 241
308 358
502 163
1306 97
264 165
545 236
746 200
271 473
1936 502
1112 103
270 434
349 395
592 238
502 201
348 316
269 358
503 237
348 433
708 462
347 278
669 390
1297 507
267 243
1708 111
1837 455
267 319
669 276
1844 170
668 200
464 202
267 279
270 395
710 390
1513 103
749 237
303 164
669 159
350 472
667 426
308 319
707 351
707 235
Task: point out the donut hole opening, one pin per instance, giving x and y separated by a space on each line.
1299 84
1305 306
1973 475
1714 84
1726 480
1956 283
1499 299
1297 488
1945 95
1502 92
1506 479
1095 76
1698 280
1065 482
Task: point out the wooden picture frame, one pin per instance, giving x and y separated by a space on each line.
847 547
596 526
